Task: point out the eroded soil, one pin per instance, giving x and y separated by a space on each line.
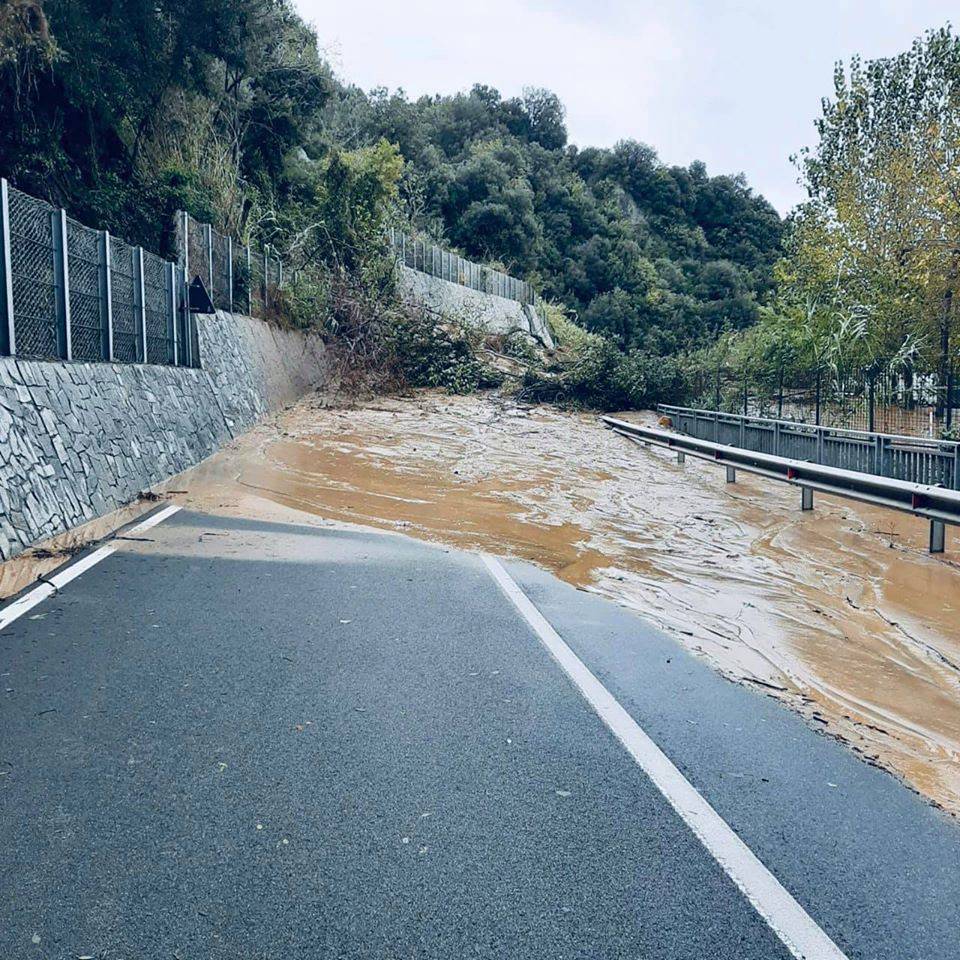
839 611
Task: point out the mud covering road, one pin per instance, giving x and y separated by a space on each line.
840 612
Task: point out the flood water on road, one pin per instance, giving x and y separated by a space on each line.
840 611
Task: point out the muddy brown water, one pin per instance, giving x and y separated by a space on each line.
839 612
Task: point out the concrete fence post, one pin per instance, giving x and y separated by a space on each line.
140 301
8 335
106 297
230 274
61 282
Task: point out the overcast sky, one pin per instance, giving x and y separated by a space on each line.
735 83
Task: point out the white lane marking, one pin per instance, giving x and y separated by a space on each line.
788 920
58 581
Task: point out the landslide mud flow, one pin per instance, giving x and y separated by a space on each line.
839 612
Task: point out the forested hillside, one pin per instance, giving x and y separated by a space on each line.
127 111
656 257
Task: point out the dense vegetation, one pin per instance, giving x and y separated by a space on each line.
869 283
124 112
654 257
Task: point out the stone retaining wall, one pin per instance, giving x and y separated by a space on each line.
78 440
492 313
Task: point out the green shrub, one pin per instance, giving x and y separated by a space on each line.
425 353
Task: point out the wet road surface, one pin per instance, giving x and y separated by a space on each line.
841 610
251 738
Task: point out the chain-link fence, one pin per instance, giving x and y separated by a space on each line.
236 276
427 257
905 402
70 292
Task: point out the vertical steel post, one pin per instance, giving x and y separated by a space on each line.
806 498
140 301
681 457
8 335
106 297
731 475
938 536
61 282
871 397
949 399
172 275
230 274
208 231
266 277
816 419
249 283
184 281
185 252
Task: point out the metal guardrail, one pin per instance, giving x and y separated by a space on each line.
936 504
913 459
429 258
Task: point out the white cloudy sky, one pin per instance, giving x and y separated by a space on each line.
736 83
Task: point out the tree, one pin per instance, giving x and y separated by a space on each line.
878 238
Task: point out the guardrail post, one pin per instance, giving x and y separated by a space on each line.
776 438
230 274
956 466
140 301
106 298
681 457
8 336
806 498
731 475
61 282
938 536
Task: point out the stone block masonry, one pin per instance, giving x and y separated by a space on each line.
484 310
78 440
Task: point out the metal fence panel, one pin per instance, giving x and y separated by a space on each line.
198 253
158 309
87 319
126 321
914 459
434 260
221 271
32 275
256 282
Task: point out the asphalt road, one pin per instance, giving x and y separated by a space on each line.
233 739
